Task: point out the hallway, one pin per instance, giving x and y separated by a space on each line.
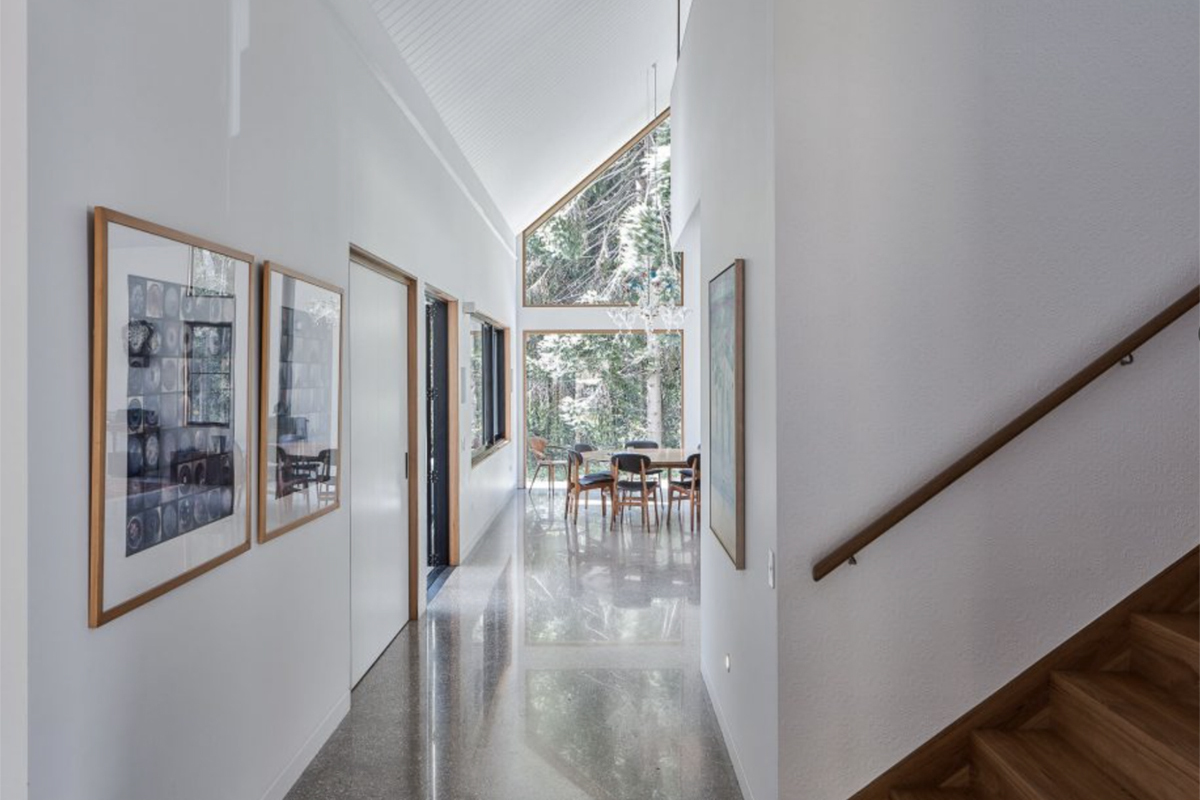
548 666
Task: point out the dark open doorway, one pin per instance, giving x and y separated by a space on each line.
441 405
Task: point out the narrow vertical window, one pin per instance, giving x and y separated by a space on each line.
489 365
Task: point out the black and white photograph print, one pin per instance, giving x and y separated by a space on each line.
170 410
174 464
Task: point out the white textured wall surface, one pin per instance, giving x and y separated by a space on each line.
255 124
722 182
973 200
14 398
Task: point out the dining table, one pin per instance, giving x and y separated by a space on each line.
660 457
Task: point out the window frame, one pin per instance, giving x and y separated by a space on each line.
528 333
575 191
496 410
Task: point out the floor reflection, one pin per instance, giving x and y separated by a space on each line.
559 662
634 753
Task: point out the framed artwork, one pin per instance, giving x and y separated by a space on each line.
727 411
300 416
170 410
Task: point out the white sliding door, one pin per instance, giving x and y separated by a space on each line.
379 568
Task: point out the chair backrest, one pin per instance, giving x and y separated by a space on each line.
574 463
635 463
694 462
642 444
583 448
537 446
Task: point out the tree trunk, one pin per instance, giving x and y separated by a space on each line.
654 421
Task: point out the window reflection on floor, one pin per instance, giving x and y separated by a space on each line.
589 584
558 661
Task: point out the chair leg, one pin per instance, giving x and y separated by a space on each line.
577 505
533 480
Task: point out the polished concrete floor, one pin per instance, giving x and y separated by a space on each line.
558 662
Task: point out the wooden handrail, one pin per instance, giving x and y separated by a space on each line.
997 440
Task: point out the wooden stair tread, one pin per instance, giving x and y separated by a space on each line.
1143 711
932 794
1038 765
1174 635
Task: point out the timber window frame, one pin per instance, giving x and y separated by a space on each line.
489 381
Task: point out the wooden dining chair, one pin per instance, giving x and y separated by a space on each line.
327 476
580 484
292 475
543 454
656 474
687 488
638 490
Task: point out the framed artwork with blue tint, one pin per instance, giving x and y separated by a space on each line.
727 410
300 415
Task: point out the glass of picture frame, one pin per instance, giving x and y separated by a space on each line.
170 410
300 415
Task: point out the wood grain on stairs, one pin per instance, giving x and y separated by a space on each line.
1166 651
1037 765
1113 713
1143 737
932 794
1173 635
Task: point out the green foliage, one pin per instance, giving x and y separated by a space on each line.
595 249
597 387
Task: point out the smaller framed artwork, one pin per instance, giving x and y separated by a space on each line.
170 410
727 410
300 415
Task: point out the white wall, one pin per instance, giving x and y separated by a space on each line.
973 200
14 437
256 124
722 181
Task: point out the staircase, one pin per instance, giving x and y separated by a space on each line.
1132 733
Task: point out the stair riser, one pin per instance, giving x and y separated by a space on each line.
1124 754
1150 633
991 783
932 794
1173 675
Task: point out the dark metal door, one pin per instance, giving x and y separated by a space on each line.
438 407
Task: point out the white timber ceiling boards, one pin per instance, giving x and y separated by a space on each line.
536 93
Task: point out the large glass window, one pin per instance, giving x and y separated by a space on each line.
604 389
609 243
489 420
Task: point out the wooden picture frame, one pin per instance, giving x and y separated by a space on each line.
726 456
170 410
300 412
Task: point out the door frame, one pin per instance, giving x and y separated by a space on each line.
365 258
453 386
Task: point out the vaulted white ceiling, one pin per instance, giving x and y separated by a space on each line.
536 93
